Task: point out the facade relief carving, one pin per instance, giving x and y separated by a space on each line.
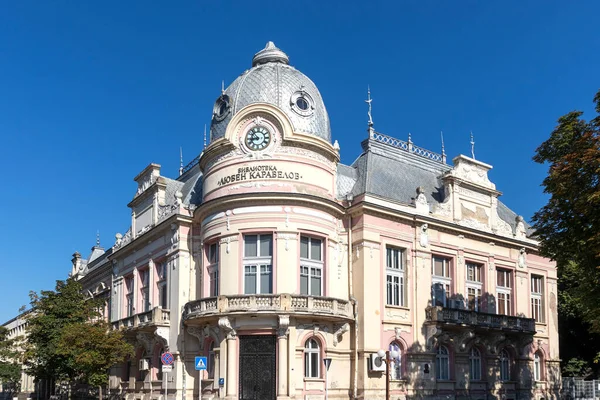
227 328
338 332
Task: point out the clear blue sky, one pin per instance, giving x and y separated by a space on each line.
91 92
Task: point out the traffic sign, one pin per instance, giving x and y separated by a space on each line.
167 358
167 368
327 362
200 363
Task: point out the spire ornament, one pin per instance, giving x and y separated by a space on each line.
98 238
472 146
204 135
443 148
222 87
180 161
369 101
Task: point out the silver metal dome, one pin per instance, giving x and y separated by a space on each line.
271 80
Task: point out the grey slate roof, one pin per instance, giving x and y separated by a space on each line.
392 173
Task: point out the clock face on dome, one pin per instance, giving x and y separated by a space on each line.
258 138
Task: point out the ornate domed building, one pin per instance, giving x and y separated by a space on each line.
298 277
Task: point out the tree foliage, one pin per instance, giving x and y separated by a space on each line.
569 224
10 357
68 339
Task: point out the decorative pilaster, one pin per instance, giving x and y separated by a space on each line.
282 342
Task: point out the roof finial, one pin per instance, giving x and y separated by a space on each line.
98 238
443 147
204 135
180 161
222 87
369 101
472 146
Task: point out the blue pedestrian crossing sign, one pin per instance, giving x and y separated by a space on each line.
200 363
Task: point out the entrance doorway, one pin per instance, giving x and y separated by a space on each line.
257 367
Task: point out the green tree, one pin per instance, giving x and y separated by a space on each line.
10 366
68 340
569 224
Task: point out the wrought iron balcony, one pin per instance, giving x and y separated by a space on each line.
476 319
269 303
155 317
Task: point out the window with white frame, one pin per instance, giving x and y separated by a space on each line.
395 276
504 365
129 296
162 286
537 298
213 268
475 364
537 367
258 264
441 281
396 363
474 286
312 356
442 363
145 289
503 291
311 266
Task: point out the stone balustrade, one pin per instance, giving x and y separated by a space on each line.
269 303
480 319
155 317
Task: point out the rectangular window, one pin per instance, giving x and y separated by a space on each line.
474 286
258 268
311 266
441 282
537 298
503 291
213 268
162 286
145 289
395 278
129 296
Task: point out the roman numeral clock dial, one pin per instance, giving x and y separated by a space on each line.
258 138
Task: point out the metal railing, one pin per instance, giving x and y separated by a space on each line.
408 146
577 388
474 318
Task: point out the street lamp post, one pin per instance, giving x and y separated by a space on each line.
387 357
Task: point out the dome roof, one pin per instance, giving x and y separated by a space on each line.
271 80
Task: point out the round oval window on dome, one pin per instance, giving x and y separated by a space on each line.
302 103
221 108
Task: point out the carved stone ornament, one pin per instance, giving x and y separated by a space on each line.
198 333
522 263
421 204
284 324
423 236
161 336
463 339
339 332
520 230
145 340
225 325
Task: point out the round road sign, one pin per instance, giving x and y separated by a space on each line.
167 358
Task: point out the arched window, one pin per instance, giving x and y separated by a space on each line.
312 356
396 365
211 360
537 367
442 364
475 364
504 365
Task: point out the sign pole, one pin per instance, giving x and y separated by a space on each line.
327 362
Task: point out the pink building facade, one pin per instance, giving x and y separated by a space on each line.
268 256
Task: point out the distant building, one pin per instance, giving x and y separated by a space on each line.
268 256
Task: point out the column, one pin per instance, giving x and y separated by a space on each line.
282 356
230 383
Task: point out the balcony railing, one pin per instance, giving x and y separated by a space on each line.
479 319
155 317
276 303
